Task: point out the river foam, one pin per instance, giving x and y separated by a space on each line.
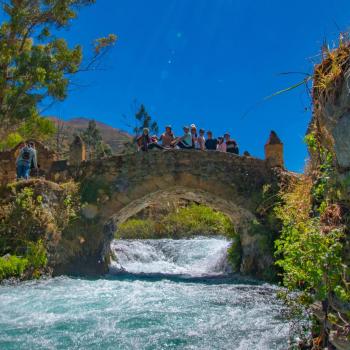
192 257
129 311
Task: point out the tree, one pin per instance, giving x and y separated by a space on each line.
37 128
35 65
144 120
103 150
92 138
12 140
96 147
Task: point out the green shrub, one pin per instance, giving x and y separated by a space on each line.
33 262
12 266
36 255
197 220
185 222
28 216
309 253
234 254
136 229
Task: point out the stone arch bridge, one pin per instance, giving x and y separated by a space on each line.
117 188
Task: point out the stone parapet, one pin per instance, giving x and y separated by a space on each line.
274 151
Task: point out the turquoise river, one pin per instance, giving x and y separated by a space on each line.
160 294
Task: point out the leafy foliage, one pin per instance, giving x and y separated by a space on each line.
28 223
234 252
12 266
12 140
96 147
197 219
37 128
37 257
21 220
92 137
33 263
185 222
310 255
331 69
27 217
35 64
138 229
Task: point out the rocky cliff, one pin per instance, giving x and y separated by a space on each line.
329 145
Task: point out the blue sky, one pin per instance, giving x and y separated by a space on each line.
207 62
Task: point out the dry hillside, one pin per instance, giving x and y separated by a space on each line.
114 137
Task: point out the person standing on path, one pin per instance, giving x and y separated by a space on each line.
26 158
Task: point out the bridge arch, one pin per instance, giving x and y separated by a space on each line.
116 188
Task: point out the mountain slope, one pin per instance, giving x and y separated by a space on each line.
115 138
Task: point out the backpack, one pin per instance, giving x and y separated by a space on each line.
25 154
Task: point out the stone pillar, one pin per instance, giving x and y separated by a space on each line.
77 151
274 151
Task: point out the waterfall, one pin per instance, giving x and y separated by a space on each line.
191 257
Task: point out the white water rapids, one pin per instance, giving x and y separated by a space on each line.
191 257
162 294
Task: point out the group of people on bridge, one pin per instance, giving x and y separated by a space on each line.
27 158
191 139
